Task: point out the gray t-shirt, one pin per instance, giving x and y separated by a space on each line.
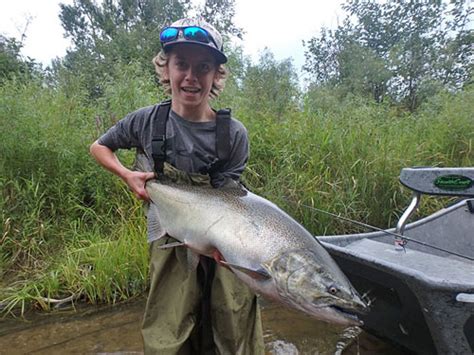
190 146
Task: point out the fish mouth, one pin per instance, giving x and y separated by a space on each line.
348 314
334 314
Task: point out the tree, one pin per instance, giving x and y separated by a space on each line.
114 31
270 86
322 58
94 26
395 48
126 30
220 13
12 63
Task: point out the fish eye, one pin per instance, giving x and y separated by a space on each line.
332 289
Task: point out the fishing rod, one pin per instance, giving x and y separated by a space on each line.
398 235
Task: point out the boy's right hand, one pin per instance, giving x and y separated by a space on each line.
136 181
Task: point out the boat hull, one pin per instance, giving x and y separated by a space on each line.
423 297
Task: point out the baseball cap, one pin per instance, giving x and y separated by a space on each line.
196 31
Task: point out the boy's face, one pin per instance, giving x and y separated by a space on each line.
191 70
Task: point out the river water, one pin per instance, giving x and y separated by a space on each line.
116 330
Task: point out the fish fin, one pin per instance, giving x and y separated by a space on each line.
172 245
153 223
259 274
233 186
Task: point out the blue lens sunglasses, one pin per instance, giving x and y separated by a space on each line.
191 33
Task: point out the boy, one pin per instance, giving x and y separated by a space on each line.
207 310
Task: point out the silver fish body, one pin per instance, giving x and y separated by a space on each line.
265 247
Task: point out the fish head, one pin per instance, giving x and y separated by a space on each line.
313 283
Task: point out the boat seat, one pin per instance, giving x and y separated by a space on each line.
439 181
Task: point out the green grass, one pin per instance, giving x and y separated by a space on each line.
348 160
70 228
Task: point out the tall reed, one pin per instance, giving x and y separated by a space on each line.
346 159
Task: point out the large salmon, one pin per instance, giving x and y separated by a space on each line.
265 247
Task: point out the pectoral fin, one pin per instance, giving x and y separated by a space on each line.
258 274
172 245
155 228
153 222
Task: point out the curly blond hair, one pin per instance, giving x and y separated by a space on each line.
161 61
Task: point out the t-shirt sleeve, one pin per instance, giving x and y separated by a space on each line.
126 133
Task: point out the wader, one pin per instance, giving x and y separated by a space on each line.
175 320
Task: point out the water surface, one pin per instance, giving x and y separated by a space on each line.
116 330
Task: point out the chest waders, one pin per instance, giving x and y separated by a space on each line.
206 267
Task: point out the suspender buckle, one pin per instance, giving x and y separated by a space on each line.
158 147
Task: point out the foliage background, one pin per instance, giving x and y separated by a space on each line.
69 228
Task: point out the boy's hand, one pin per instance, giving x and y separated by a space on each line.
136 181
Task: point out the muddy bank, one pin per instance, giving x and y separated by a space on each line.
106 330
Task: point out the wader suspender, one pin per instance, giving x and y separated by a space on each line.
158 141
222 140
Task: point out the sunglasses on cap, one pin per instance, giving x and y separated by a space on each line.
190 33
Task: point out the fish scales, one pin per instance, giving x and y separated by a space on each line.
231 227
